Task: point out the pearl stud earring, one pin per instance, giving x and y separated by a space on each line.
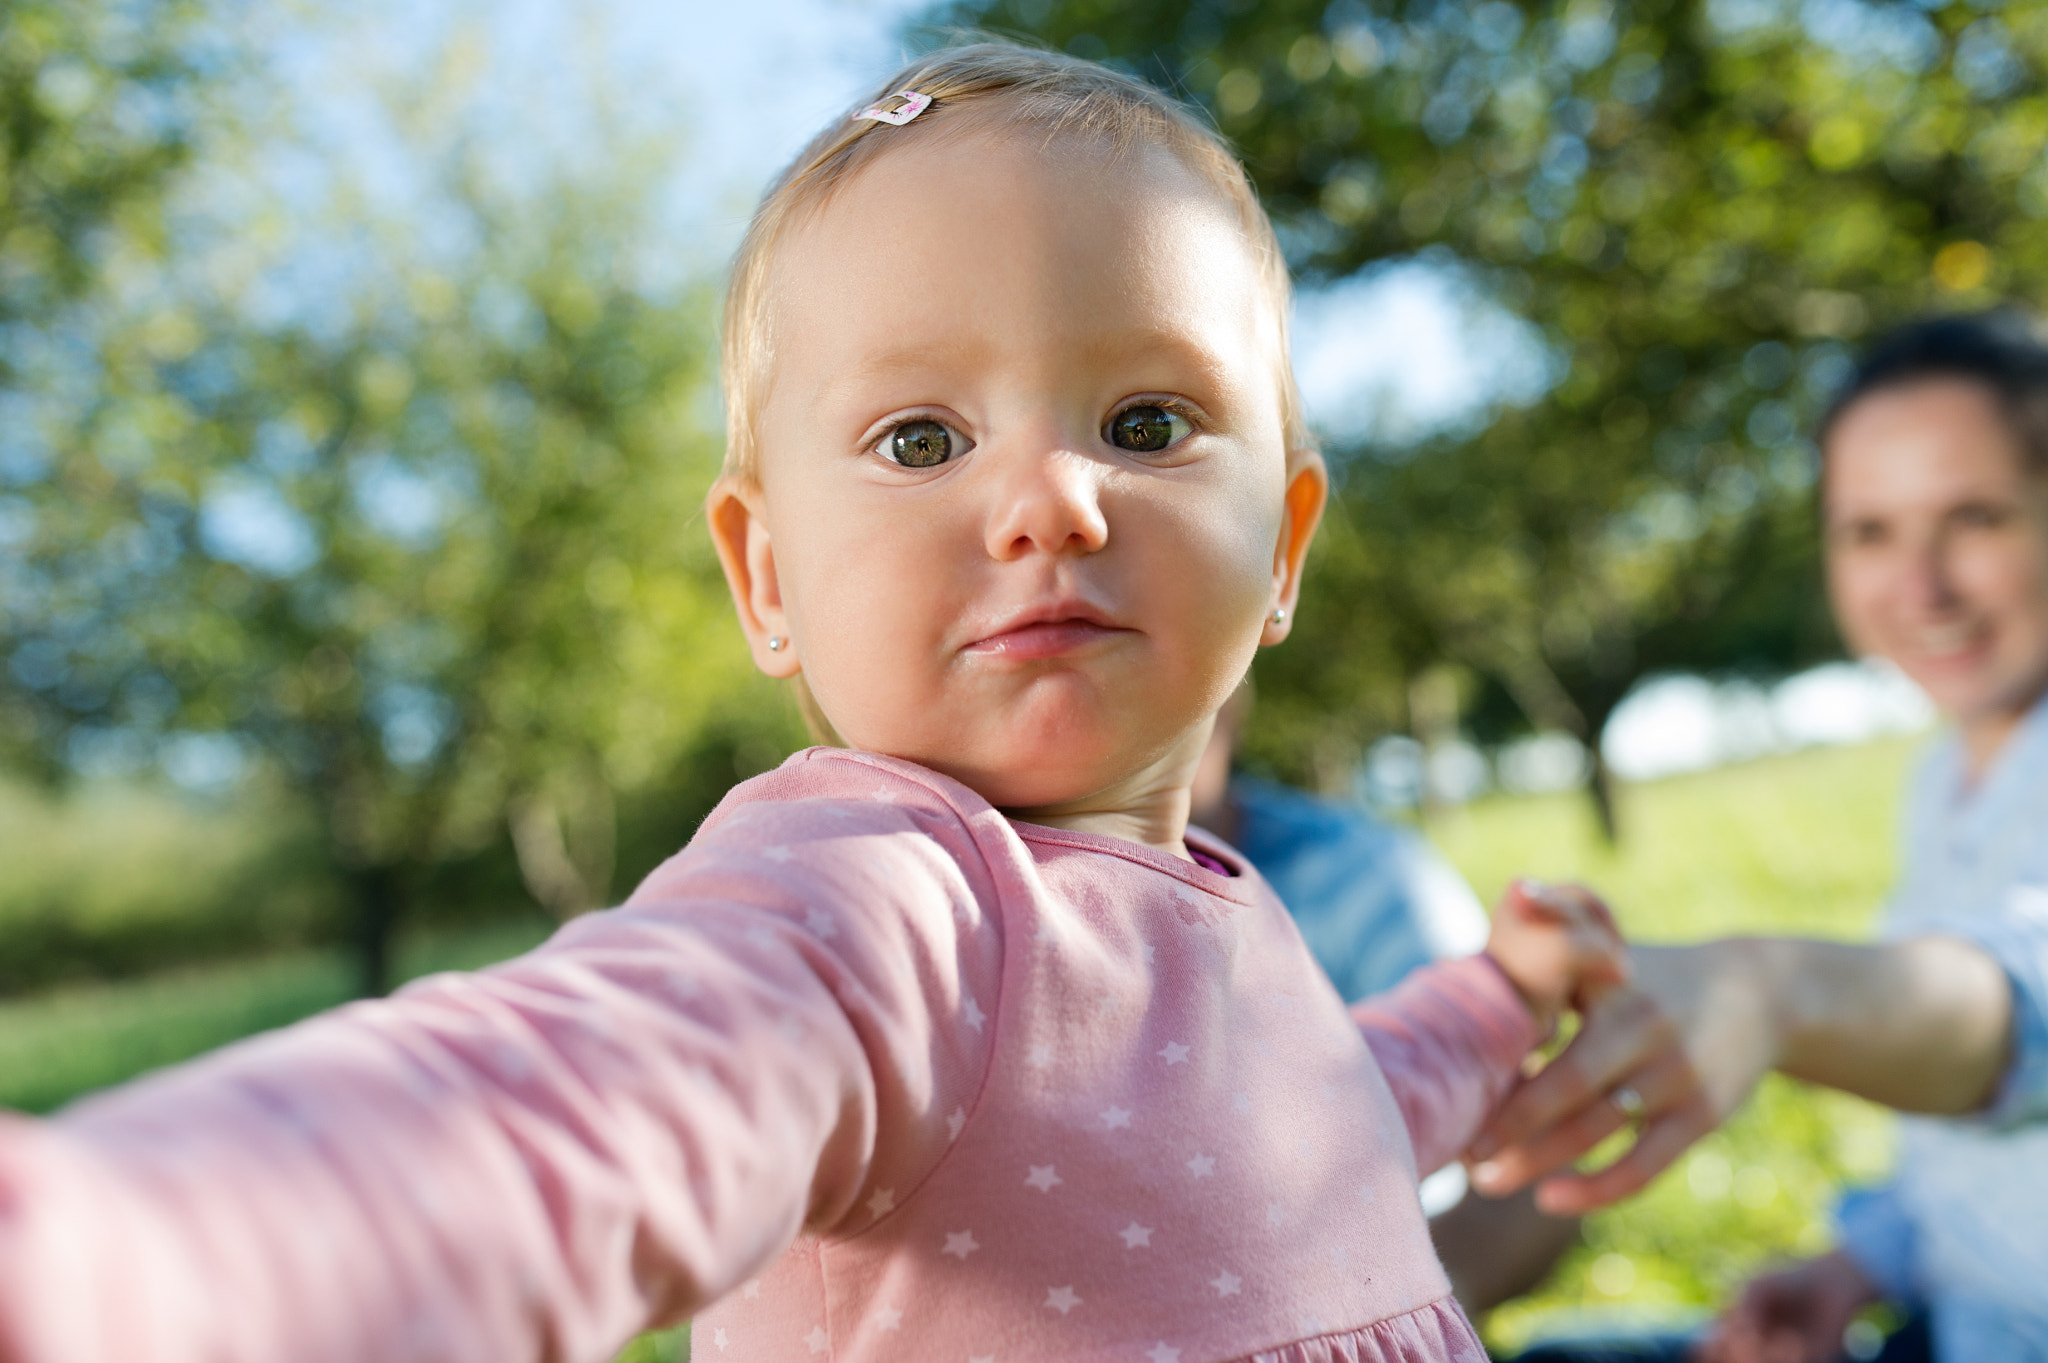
1279 616
775 643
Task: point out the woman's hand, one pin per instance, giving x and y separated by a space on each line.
1797 1315
1923 1024
1677 1050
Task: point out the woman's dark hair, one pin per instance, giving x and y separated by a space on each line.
2002 349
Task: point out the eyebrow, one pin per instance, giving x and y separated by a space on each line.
914 359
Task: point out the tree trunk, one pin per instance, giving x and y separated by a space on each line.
1600 785
378 898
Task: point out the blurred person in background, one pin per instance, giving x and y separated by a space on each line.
1935 516
1374 901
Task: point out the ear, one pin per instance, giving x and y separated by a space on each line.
740 534
1308 489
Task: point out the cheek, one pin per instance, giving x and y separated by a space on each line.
1225 554
2010 578
1859 589
1215 582
855 584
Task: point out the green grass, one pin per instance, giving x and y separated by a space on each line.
59 1044
1798 844
109 879
1794 844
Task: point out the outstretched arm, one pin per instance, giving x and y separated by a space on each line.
532 1162
1924 1024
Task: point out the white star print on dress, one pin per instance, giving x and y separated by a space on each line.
1173 1053
1061 1299
1043 1178
961 1243
1202 1166
751 1290
818 1340
822 923
1039 1056
1242 1102
955 1120
1114 1117
1162 1352
777 853
718 1338
1136 1236
1276 1214
882 1203
1226 1283
888 1318
972 1012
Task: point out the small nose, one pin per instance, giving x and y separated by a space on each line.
1049 502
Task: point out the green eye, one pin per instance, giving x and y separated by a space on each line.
920 444
1147 430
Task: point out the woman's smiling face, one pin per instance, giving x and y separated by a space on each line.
1024 504
1937 548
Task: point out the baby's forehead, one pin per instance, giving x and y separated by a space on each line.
985 215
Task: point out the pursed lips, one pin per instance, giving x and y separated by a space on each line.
1046 632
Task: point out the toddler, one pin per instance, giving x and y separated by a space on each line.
948 1043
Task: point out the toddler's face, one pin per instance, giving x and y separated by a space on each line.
1024 506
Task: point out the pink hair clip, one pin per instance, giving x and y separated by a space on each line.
913 105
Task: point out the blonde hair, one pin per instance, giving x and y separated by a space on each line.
1004 85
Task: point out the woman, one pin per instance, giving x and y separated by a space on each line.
1935 509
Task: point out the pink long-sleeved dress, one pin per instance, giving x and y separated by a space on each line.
867 1070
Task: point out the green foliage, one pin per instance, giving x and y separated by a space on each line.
1698 203
97 107
420 538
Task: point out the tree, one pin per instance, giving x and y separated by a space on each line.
98 110
1699 203
424 545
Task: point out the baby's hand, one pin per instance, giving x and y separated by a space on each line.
1559 945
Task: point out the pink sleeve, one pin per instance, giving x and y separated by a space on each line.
542 1159
1450 1039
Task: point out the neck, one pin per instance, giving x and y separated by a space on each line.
1150 807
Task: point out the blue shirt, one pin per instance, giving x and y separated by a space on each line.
1373 901
1963 1229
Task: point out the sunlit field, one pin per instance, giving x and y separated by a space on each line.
1799 843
